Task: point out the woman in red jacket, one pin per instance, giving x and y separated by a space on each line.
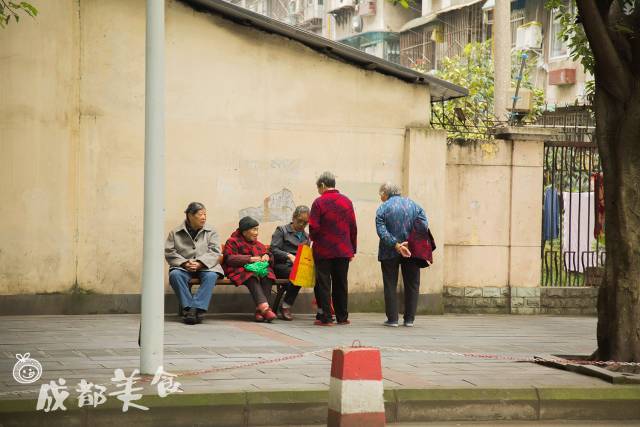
241 249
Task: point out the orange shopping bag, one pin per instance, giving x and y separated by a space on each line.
303 272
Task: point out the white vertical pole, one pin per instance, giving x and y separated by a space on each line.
502 57
152 323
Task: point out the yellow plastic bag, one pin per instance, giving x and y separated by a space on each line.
303 272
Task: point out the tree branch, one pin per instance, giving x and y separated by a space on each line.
608 62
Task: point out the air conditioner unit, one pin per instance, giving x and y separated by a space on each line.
529 36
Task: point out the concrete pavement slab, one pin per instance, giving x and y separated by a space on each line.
234 355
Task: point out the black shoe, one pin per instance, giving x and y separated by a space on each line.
190 317
199 315
320 316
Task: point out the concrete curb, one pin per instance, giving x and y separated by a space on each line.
310 407
592 371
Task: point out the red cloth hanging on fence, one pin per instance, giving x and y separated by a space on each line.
598 190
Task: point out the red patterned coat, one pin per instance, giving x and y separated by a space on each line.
237 251
332 226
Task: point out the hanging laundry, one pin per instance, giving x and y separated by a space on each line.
577 223
551 208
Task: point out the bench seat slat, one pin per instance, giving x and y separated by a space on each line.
225 281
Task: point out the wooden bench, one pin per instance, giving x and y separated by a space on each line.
281 287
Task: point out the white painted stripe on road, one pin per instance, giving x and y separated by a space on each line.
355 396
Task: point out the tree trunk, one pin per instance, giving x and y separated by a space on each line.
618 137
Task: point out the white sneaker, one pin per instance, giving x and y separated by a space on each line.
408 324
391 324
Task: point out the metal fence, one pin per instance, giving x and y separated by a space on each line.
573 238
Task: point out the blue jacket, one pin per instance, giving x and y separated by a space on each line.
394 221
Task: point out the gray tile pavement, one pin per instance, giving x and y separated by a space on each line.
91 347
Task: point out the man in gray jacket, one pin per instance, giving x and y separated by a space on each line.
192 250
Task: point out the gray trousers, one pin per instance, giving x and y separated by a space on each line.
411 279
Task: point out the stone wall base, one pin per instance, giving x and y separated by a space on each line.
493 300
221 302
572 301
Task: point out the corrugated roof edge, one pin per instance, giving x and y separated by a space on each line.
440 89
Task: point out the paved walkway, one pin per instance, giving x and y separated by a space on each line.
91 347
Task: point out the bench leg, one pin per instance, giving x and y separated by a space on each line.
279 294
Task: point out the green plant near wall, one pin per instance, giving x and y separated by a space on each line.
10 9
473 69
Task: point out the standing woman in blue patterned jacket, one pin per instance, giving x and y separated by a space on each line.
395 219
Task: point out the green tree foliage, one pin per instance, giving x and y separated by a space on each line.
470 117
10 9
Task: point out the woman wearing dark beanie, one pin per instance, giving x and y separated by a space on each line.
241 249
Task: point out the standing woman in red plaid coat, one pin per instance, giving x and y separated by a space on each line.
244 248
333 231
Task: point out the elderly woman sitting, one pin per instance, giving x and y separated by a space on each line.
241 249
284 245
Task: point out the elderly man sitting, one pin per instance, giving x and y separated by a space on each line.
192 250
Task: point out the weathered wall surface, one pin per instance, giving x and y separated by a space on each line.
477 229
38 141
252 119
494 224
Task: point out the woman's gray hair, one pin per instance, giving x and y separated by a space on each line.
327 179
193 208
390 189
302 209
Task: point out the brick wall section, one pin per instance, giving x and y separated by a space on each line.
493 300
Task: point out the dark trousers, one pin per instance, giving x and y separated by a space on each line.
291 292
331 283
260 289
411 279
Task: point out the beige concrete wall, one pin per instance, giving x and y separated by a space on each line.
494 218
477 226
425 162
38 138
248 115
